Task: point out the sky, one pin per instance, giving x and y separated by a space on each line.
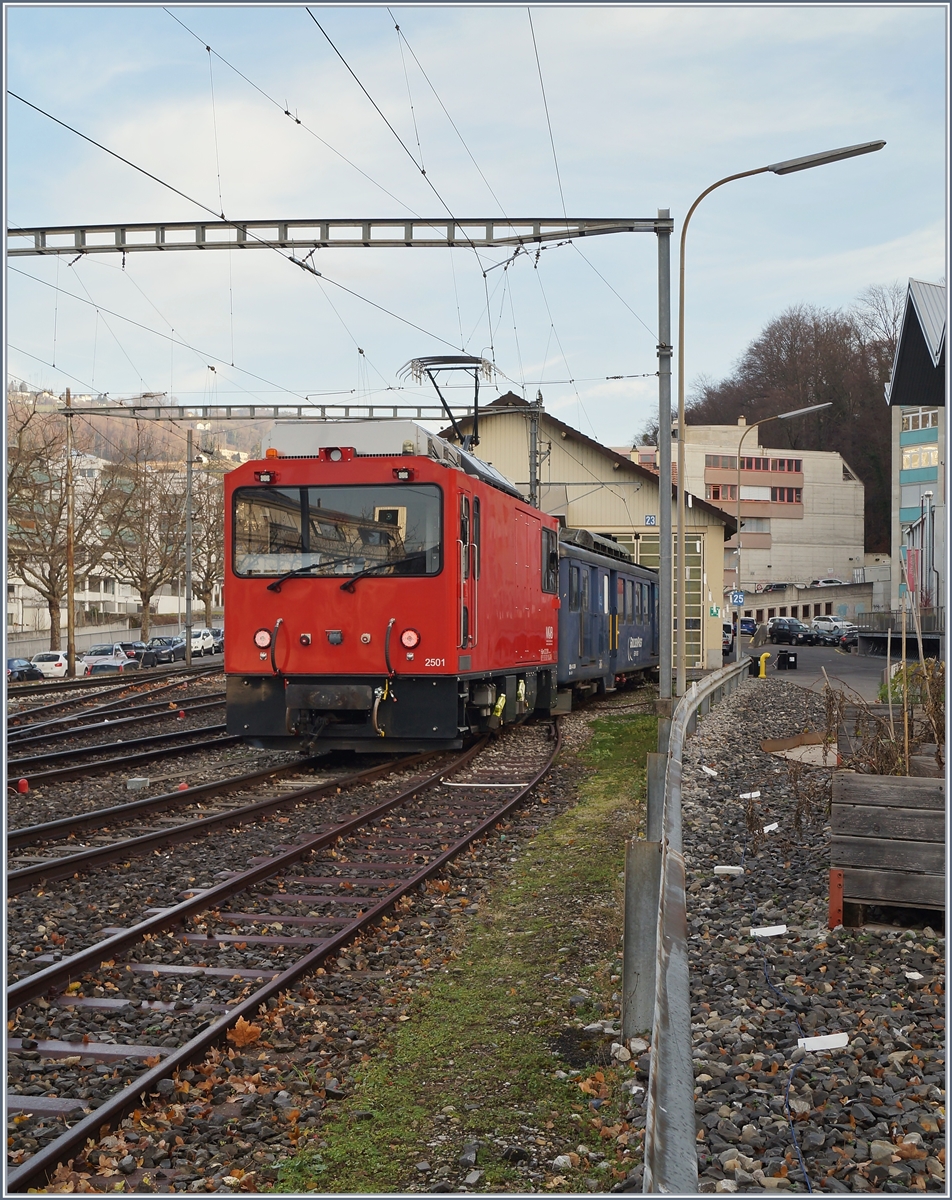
586 111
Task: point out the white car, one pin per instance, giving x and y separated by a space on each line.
829 624
203 642
105 652
53 664
828 583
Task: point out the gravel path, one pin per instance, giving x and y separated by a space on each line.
868 1117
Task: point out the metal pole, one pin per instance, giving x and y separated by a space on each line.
534 450
664 464
188 550
739 584
682 644
70 547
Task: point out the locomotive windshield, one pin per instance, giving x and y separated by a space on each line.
393 528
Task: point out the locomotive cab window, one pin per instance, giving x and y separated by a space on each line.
327 531
574 589
464 533
550 562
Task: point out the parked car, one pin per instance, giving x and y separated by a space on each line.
116 664
168 649
849 639
727 641
828 636
140 651
748 625
218 636
828 583
20 669
829 623
105 650
776 587
791 631
202 642
52 663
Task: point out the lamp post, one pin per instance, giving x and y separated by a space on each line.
797 412
787 167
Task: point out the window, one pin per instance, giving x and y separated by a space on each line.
828 609
783 612
755 464
920 456
550 562
476 536
755 524
786 495
721 491
464 535
725 462
585 596
338 530
786 464
920 418
645 602
574 589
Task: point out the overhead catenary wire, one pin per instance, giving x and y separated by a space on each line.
287 257
545 105
221 204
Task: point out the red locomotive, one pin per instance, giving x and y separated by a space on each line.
385 591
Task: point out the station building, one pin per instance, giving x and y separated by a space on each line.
591 486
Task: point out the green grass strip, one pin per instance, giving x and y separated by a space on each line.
480 1034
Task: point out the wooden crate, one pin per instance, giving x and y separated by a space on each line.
888 842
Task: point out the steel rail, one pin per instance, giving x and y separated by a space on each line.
13 718
63 826
60 868
148 703
58 774
38 688
198 704
62 972
40 1165
670 1155
139 706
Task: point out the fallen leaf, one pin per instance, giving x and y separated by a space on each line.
244 1033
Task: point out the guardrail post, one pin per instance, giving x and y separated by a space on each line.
654 814
664 734
642 888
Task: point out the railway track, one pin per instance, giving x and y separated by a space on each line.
131 1009
145 712
18 691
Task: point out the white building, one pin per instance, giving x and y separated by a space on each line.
801 510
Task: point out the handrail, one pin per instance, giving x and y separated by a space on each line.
670 1131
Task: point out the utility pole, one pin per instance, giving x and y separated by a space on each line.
534 410
70 565
188 549
665 574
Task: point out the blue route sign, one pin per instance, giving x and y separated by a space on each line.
737 599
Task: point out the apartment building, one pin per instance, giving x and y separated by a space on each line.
801 510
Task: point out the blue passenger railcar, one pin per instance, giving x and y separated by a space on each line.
608 619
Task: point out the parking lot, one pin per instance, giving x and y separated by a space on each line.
849 672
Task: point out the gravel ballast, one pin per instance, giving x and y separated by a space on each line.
867 1117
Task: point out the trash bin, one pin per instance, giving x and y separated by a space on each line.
783 658
791 660
753 665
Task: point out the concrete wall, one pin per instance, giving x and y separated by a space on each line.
849 602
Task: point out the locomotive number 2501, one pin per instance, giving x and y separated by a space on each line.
436 662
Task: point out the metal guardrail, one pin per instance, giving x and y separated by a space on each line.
670 1130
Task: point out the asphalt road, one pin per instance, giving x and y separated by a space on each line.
848 672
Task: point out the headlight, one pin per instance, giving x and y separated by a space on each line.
263 639
410 638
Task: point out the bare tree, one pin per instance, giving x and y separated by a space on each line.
146 520
810 356
878 312
37 502
208 536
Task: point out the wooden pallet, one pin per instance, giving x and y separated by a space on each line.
888 843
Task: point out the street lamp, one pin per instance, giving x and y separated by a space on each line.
787 167
797 412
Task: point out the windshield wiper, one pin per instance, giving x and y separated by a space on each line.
276 585
348 585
